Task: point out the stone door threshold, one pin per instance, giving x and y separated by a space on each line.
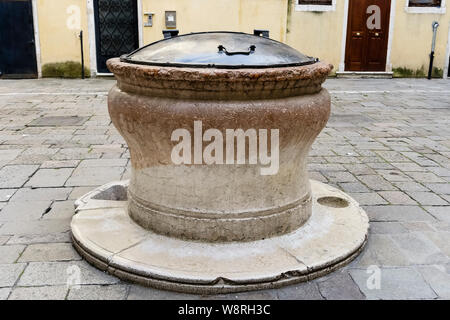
365 74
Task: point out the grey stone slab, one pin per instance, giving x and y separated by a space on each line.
35 227
302 291
10 253
61 210
137 292
383 251
439 171
54 164
360 169
10 154
99 292
393 175
103 163
39 293
41 194
57 121
40 238
419 249
15 176
395 283
251 295
4 293
441 239
418 226
339 286
439 212
397 197
397 213
387 228
376 183
49 178
6 194
63 273
339 176
408 166
353 187
9 273
26 210
78 192
428 198
392 156
440 188
3 240
410 186
438 279
49 252
367 198
426 177
94 176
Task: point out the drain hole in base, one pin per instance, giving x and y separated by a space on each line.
334 202
114 193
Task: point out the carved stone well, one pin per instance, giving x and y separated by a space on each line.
219 126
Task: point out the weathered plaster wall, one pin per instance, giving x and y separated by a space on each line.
59 42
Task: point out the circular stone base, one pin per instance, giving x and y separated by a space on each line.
108 238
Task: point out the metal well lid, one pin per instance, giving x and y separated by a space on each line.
221 49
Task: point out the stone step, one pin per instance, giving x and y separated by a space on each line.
364 74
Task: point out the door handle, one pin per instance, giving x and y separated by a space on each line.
377 34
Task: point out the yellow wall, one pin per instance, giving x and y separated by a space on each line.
317 34
412 38
58 42
213 15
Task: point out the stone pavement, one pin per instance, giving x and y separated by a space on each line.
387 144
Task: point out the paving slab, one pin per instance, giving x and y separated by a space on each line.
99 292
439 212
339 286
35 227
10 253
9 273
395 283
62 273
94 176
6 194
397 213
58 121
45 178
61 210
15 176
419 249
302 291
438 279
428 199
39 238
49 252
40 194
24 210
39 293
4 293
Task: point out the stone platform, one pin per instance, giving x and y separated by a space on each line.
108 238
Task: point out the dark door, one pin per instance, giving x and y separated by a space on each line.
448 75
116 26
367 35
17 47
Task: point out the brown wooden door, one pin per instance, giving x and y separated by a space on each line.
367 35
